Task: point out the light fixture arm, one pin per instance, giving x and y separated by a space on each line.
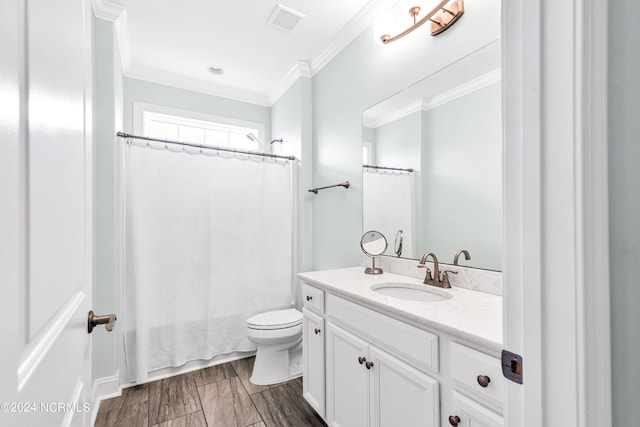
446 13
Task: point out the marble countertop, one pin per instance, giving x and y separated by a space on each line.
473 316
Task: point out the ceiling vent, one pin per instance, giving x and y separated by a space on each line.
284 18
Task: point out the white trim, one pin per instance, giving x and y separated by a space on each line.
521 258
398 114
464 89
300 69
103 388
107 9
556 221
114 12
139 108
123 39
593 203
38 348
353 29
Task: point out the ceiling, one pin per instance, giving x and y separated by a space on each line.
175 43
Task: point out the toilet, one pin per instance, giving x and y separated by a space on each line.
278 335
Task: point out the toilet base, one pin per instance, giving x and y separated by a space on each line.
274 366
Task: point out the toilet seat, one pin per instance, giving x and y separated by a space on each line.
276 319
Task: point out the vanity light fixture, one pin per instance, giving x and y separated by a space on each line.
443 16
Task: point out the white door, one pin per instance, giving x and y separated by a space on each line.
347 379
401 395
45 218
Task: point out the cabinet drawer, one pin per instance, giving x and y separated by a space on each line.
473 414
467 365
313 298
410 344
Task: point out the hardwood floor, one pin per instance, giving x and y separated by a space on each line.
219 396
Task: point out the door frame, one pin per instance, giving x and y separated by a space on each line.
555 252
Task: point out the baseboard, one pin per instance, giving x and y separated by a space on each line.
103 388
191 366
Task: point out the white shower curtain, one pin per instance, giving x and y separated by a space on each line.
208 243
389 205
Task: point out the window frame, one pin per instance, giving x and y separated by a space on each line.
140 108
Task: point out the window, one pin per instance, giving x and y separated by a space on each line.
188 126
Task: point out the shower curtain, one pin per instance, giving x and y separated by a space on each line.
208 243
389 205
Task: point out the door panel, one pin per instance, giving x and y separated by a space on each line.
402 395
347 379
313 346
46 173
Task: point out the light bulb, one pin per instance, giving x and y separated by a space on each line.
384 24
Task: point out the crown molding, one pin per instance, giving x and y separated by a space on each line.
300 69
353 29
396 115
107 9
464 89
185 83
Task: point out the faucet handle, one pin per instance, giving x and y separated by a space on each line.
445 277
427 276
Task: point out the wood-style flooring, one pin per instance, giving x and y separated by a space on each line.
218 396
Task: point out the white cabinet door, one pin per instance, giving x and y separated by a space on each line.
347 379
313 370
401 395
473 414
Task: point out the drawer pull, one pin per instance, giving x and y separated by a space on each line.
317 331
309 297
361 360
369 365
483 380
454 420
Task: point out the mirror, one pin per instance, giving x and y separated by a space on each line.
373 244
432 164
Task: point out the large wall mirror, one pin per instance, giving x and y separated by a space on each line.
432 164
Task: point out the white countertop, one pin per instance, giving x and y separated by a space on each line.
473 316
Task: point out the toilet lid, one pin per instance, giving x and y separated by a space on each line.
277 319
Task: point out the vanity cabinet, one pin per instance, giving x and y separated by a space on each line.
366 386
366 368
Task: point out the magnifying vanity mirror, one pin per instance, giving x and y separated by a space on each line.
373 244
432 164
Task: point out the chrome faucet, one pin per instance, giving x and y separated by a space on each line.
437 279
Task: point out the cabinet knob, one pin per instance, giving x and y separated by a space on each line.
454 420
317 331
483 380
309 297
369 365
361 360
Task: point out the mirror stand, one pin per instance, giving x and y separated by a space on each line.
373 269
373 244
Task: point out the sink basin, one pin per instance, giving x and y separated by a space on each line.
410 292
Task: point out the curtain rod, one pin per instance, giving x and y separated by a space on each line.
385 168
206 147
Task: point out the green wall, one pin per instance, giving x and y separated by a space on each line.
624 207
361 75
107 119
153 93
